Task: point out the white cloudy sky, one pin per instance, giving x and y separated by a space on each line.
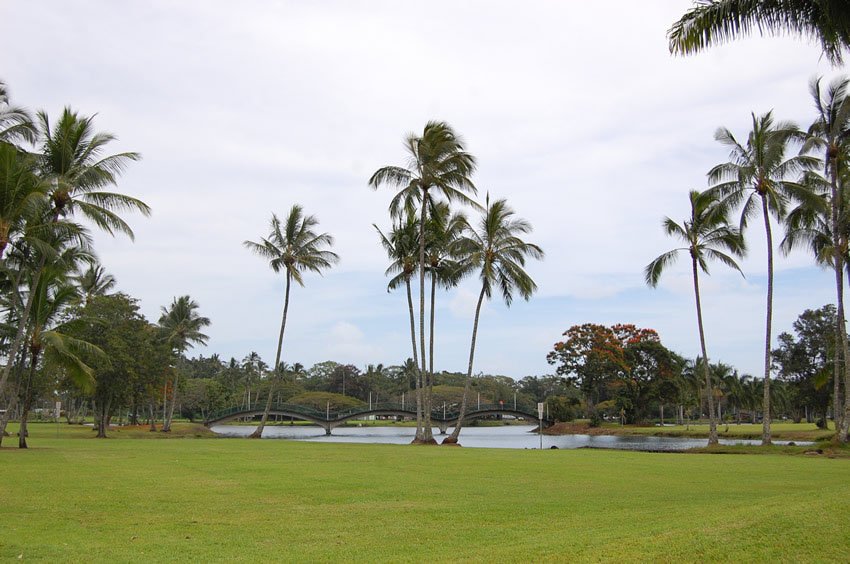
576 111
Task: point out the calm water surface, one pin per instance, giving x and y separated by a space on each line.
513 436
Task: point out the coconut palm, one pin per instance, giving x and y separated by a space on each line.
53 295
497 252
95 281
707 235
401 246
15 123
21 191
294 248
72 164
442 232
713 22
438 166
757 177
182 327
830 133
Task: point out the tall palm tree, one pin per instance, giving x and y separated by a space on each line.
401 246
830 133
497 252
438 165
72 164
294 248
707 235
757 177
713 22
53 295
182 326
442 232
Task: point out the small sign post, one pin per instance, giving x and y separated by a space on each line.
540 426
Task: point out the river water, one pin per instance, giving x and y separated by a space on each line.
509 436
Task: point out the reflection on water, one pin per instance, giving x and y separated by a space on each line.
513 436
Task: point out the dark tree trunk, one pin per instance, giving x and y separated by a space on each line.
418 378
426 435
276 374
765 433
712 421
468 384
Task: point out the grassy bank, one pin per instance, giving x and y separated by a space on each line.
779 431
125 499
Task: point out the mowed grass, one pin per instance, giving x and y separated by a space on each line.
195 499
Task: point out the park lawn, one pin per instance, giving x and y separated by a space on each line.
779 431
125 499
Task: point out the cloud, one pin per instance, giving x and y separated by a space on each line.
593 141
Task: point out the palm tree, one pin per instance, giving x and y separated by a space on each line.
294 248
401 246
182 326
21 192
496 250
53 295
713 22
756 177
810 225
830 133
95 281
442 232
438 165
707 235
253 366
72 164
15 123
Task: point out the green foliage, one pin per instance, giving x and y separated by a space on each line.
325 400
136 358
562 409
714 22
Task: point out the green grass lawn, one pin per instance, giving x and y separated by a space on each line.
779 431
71 498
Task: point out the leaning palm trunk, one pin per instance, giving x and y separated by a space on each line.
468 384
20 335
712 421
765 433
258 432
418 379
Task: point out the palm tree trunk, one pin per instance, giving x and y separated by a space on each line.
842 353
27 403
166 425
13 397
418 379
259 430
765 433
712 422
426 434
429 387
22 326
468 384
